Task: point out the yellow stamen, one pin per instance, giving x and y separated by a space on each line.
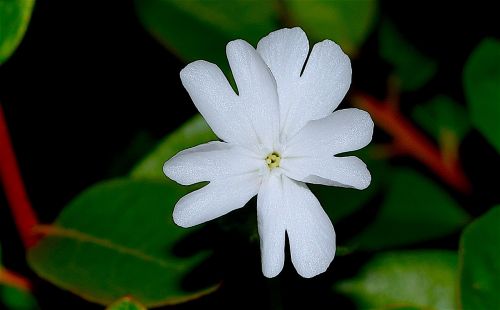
273 160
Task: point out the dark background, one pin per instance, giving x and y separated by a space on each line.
87 81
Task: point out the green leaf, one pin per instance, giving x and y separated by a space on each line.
411 67
405 280
198 29
440 115
414 210
126 303
193 132
340 202
479 263
16 299
115 240
482 90
348 23
14 19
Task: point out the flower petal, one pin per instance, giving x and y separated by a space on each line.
285 52
347 171
211 161
343 131
217 102
257 91
215 199
320 89
310 231
271 215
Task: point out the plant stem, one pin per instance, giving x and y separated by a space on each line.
13 279
10 176
410 140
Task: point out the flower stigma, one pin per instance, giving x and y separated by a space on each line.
273 160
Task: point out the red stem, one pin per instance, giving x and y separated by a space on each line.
10 176
408 138
13 279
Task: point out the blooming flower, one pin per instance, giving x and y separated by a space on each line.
278 133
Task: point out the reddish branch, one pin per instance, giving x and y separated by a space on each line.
10 176
13 279
409 140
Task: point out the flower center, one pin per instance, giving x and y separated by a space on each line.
273 160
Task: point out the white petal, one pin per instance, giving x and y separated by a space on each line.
217 102
216 199
256 89
343 131
320 89
271 216
310 231
347 171
211 161
285 52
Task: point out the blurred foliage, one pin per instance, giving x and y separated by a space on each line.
480 263
422 280
116 239
14 18
482 89
411 67
411 201
126 303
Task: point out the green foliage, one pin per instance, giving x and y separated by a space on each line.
405 280
199 29
114 240
414 210
126 303
16 299
479 263
482 90
341 202
14 19
195 131
348 23
441 115
411 67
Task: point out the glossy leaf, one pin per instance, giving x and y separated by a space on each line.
441 115
414 210
193 132
479 263
115 240
348 23
412 68
405 280
198 29
14 18
126 303
482 90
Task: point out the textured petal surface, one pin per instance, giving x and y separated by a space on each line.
257 91
347 171
217 102
211 161
271 216
343 131
310 231
215 199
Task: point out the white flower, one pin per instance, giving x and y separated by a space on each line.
279 132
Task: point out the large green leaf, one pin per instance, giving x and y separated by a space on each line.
14 19
115 240
197 29
441 115
415 209
412 68
193 132
346 22
482 90
406 280
479 263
